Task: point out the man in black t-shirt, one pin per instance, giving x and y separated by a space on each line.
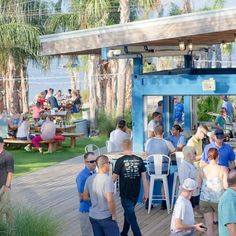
131 170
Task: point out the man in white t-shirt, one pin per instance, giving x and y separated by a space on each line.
156 121
182 222
117 136
186 170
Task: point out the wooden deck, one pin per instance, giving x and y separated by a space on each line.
53 189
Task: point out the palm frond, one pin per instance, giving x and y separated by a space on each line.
63 22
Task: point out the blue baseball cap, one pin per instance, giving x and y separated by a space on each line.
219 133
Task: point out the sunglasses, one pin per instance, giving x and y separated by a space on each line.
93 161
107 162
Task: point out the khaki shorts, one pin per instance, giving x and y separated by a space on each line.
207 207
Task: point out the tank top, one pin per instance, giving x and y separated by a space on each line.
212 188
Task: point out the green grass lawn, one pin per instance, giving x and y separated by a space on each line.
26 162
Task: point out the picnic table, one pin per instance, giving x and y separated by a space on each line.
59 129
61 114
52 143
72 137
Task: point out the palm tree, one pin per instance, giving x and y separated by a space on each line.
84 14
19 42
124 83
214 5
186 7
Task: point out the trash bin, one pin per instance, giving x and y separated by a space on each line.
82 127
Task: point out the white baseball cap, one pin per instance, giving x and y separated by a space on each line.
189 184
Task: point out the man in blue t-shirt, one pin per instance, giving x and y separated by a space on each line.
226 153
227 208
178 111
89 169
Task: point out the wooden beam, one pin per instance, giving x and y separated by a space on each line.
202 28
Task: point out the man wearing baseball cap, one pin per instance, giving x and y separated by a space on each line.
182 222
226 153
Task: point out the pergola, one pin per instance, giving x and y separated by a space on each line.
153 38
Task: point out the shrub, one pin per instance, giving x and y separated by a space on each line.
128 118
208 104
85 96
107 123
26 222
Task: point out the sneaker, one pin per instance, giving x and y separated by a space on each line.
163 205
41 150
27 148
146 204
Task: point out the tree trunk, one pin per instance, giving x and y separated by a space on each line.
4 86
121 84
92 91
111 87
121 88
12 94
77 76
128 99
187 8
124 11
209 57
72 80
218 56
24 89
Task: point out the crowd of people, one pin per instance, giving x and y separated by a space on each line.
204 176
17 126
207 177
47 100
204 188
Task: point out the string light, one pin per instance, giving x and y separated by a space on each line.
181 45
190 45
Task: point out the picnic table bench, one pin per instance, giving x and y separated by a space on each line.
52 143
72 137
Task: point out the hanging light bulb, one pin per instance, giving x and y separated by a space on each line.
181 45
223 44
190 46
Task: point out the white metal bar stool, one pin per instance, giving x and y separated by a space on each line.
175 189
159 161
92 148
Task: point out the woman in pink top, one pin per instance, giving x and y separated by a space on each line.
36 112
48 132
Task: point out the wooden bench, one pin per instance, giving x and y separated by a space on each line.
72 137
52 144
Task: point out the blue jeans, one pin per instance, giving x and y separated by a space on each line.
130 217
104 227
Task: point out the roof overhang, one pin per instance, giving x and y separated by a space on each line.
201 28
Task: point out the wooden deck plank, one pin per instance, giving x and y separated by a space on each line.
53 189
